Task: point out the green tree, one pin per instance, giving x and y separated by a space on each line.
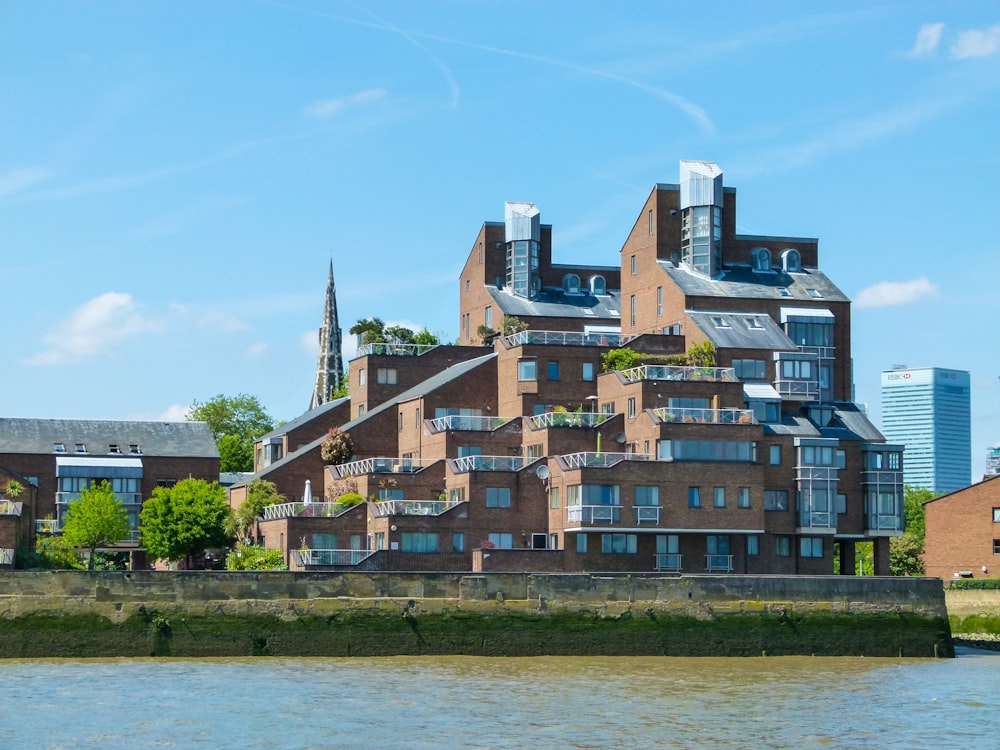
95 518
426 338
701 355
375 331
369 331
182 521
906 552
620 359
260 494
235 422
512 325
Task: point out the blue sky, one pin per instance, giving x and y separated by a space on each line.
176 176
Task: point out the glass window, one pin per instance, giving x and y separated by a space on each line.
753 545
790 260
469 450
659 301
750 369
619 544
571 283
324 541
553 371
743 497
996 515
489 316
775 500
717 544
581 544
633 265
775 455
811 546
719 497
588 370
419 541
390 493
458 542
841 459
598 285
632 310
694 497
362 376
554 497
647 495
498 497
713 450
456 495
527 369
631 408
502 541
782 546
386 375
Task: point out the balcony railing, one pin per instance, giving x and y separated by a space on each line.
472 424
719 563
674 372
669 562
489 463
309 557
593 514
800 389
565 338
381 465
600 460
414 507
817 519
125 498
303 510
647 514
46 525
10 508
705 416
394 350
567 419
883 522
6 557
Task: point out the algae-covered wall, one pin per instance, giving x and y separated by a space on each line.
74 613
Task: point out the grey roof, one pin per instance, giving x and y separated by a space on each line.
792 424
229 478
736 334
853 424
742 281
169 439
554 303
305 418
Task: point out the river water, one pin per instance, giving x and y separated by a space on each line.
546 702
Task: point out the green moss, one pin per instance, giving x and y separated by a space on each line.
975 624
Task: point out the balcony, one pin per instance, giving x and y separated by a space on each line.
719 563
127 499
599 460
817 522
801 390
488 463
394 350
577 514
471 424
705 416
308 557
381 465
668 562
686 374
10 508
414 507
6 557
46 526
564 338
647 514
304 510
567 419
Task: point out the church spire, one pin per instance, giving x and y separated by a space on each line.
330 368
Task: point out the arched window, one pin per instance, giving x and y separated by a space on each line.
791 261
761 258
571 283
598 285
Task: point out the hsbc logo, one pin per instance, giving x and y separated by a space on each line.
903 376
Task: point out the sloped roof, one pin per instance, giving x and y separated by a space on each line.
736 334
169 439
305 418
855 424
792 424
742 281
554 303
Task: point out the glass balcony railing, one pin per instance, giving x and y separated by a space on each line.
668 562
564 338
489 463
345 557
719 563
567 419
414 507
600 460
688 374
303 510
471 424
381 465
705 416
647 514
394 350
593 514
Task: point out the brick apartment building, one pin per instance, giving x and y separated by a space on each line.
526 455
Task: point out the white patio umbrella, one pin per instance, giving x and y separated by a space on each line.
308 496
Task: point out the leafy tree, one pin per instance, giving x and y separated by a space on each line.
185 520
620 359
375 331
235 422
701 355
906 552
512 325
260 494
95 518
338 447
426 338
486 334
369 331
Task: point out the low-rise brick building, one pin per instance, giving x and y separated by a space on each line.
962 533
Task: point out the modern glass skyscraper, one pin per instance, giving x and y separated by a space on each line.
927 409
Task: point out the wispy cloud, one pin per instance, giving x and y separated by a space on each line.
96 327
21 178
256 351
330 107
174 413
928 38
977 43
890 293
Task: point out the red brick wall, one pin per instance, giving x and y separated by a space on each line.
960 532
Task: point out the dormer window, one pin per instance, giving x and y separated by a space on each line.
761 259
791 261
720 322
571 283
113 448
134 448
81 448
814 293
59 448
598 285
754 324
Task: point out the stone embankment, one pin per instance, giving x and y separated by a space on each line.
74 613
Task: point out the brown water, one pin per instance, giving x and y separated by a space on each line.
434 702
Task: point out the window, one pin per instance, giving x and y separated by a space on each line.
750 369
498 497
324 541
59 448
134 448
502 541
387 375
469 450
571 283
782 546
719 497
588 371
754 324
533 451
608 408
480 253
996 546
113 448
619 544
598 285
456 495
362 377
168 483
466 285
401 421
775 500
631 408
553 370
647 495
841 504
361 410
527 369
390 493
719 322
753 545
811 546
996 515
489 316
717 544
581 544
416 418
694 497
458 542
775 455
743 497
633 265
791 261
659 301
632 310
814 293
649 218
554 497
742 451
841 458
761 259
423 542
81 448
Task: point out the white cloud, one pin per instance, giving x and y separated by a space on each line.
256 351
330 107
977 43
174 413
888 293
94 328
21 178
928 38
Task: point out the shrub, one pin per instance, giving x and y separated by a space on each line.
338 448
255 557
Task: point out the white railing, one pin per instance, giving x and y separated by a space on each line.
394 350
489 463
46 525
303 510
333 556
414 507
668 561
674 372
565 338
647 514
380 465
719 563
568 419
10 508
582 460
593 514
6 557
473 424
705 416
797 388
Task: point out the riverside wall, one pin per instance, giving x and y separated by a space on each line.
153 613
